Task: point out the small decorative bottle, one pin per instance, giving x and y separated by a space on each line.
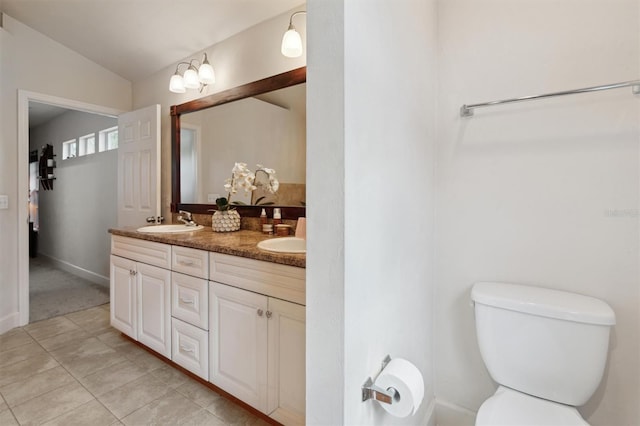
277 218
263 218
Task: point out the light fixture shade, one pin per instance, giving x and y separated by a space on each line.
291 43
206 74
190 78
176 84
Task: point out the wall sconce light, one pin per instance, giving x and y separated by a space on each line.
291 41
194 77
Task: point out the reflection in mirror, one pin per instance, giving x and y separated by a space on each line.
189 159
267 130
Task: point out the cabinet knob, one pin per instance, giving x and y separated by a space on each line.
132 272
260 312
269 314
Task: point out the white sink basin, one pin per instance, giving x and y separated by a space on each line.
169 229
284 245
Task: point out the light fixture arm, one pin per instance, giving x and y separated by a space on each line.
195 67
182 63
300 12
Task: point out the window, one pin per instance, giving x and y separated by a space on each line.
87 144
69 149
108 139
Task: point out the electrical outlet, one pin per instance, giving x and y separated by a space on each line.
211 198
4 202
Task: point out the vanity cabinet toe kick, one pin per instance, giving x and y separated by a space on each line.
201 310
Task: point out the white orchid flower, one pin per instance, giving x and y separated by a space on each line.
243 178
273 185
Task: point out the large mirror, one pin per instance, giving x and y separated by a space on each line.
260 123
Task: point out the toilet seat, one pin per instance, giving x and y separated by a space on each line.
510 407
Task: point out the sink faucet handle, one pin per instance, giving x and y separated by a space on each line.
154 219
186 214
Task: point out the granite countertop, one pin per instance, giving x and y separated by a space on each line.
240 243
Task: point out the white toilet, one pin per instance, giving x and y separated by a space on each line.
547 350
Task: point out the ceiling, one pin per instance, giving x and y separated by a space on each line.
41 113
136 38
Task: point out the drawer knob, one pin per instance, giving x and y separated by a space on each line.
260 312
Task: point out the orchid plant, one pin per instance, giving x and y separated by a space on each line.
244 179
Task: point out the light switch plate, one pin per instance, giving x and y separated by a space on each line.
4 202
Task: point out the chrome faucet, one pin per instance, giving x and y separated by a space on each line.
186 218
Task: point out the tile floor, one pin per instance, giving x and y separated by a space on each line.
77 370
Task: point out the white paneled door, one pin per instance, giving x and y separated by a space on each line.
138 166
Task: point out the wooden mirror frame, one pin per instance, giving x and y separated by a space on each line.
279 81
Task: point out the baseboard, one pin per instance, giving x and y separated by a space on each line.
78 271
10 321
430 416
448 414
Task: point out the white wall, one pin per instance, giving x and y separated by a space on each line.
249 56
33 62
529 193
325 283
371 137
76 214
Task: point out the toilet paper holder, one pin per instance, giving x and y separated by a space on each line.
371 391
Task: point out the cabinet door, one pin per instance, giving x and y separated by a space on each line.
154 308
286 362
238 343
123 296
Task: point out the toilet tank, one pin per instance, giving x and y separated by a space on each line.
546 343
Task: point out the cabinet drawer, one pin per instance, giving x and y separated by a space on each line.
271 279
190 299
190 261
190 348
148 252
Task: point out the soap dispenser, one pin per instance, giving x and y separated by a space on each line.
263 218
277 218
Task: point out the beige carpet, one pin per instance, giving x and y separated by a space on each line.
54 292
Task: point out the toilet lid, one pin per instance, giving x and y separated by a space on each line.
509 407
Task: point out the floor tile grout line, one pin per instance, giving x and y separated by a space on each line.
9 408
75 379
33 374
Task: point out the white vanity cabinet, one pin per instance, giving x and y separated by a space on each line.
257 334
140 284
236 322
